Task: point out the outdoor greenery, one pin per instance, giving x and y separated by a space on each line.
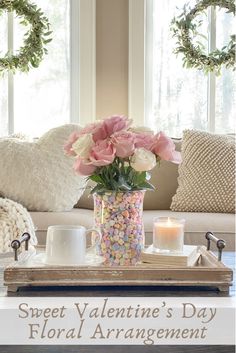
35 40
185 30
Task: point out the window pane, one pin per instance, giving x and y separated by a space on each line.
178 95
3 79
42 97
225 84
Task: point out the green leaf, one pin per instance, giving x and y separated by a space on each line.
45 41
48 33
98 189
146 186
96 178
123 183
139 177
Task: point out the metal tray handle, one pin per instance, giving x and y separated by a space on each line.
16 244
220 243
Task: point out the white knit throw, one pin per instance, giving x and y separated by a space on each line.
14 221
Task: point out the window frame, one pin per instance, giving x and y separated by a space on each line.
136 79
82 60
140 97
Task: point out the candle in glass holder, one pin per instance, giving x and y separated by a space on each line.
168 234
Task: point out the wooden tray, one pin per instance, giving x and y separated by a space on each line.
208 272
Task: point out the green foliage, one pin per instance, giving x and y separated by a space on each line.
35 40
120 176
185 30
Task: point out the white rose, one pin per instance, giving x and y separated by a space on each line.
83 145
143 160
142 129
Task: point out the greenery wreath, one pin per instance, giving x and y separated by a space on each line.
35 40
185 31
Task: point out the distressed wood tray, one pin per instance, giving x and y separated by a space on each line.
208 272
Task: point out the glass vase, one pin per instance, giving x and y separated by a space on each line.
119 217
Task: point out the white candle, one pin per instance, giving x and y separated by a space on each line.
168 234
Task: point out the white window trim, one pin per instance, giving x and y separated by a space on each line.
211 89
10 41
83 64
136 89
83 61
140 99
149 62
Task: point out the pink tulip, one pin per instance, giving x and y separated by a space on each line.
68 146
97 130
84 168
164 147
144 140
115 124
123 142
103 153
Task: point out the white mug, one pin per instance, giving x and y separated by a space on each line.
66 245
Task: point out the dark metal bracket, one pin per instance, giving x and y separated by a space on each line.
220 243
16 244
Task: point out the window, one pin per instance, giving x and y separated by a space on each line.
176 98
51 95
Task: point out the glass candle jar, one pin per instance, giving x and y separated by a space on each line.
168 234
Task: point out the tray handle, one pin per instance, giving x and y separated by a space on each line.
220 243
16 244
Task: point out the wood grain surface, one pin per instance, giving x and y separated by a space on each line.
208 272
135 291
117 349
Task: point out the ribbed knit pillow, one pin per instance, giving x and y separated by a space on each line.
39 175
207 174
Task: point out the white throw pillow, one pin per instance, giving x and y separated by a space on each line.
206 174
38 174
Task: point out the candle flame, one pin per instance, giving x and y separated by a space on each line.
168 221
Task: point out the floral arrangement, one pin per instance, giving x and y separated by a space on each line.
118 157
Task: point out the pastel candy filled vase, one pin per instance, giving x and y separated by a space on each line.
119 217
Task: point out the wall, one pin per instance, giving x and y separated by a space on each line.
112 57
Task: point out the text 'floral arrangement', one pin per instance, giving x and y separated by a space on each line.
118 157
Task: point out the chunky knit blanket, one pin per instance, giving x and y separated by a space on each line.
14 221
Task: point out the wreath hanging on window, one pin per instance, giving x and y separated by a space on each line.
185 30
35 39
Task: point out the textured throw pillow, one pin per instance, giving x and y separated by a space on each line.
207 174
38 175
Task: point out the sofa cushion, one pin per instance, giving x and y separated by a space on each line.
207 174
197 224
38 174
164 178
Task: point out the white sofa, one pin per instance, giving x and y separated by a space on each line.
157 203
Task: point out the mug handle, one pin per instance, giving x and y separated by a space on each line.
98 238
